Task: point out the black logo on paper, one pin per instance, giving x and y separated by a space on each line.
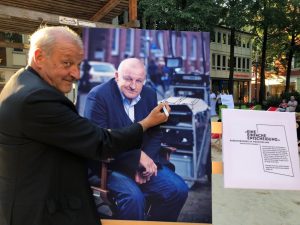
253 135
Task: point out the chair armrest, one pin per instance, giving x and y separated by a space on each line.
166 151
103 193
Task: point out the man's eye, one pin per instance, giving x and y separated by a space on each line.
67 64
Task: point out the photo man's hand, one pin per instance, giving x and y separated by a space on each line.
139 178
149 166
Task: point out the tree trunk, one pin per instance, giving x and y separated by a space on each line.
231 66
289 65
262 90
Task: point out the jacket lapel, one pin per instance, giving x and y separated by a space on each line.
118 101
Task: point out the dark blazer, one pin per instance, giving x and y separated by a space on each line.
44 145
104 106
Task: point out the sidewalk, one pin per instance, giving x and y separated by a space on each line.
198 207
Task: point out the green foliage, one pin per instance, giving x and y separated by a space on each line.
191 15
272 101
287 95
286 22
281 17
235 13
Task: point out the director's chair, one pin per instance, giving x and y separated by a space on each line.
216 134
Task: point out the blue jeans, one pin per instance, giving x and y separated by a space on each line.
166 192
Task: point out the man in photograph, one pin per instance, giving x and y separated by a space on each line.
140 177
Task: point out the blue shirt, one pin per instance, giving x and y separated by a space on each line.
129 105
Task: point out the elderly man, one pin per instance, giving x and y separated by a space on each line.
44 143
141 175
292 104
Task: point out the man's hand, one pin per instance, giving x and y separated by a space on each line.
139 178
147 163
149 167
156 116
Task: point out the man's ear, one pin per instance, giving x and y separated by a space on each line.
116 76
38 57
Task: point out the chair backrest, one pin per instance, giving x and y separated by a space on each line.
272 108
216 134
216 127
257 107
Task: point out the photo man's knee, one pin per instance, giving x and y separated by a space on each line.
178 191
182 191
134 198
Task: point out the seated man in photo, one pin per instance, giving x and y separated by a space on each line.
139 177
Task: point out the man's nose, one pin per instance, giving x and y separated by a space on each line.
132 84
75 72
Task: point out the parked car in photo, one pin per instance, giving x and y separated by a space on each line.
101 71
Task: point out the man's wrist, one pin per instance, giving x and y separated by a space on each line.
144 124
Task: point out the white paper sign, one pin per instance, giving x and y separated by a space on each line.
260 150
68 20
227 100
86 23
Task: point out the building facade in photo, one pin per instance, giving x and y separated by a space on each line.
113 45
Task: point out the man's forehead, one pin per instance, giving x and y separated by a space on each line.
131 71
69 50
134 74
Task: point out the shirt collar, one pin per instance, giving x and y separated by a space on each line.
129 102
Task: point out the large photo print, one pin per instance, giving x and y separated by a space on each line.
124 75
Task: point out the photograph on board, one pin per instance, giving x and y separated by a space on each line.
124 75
